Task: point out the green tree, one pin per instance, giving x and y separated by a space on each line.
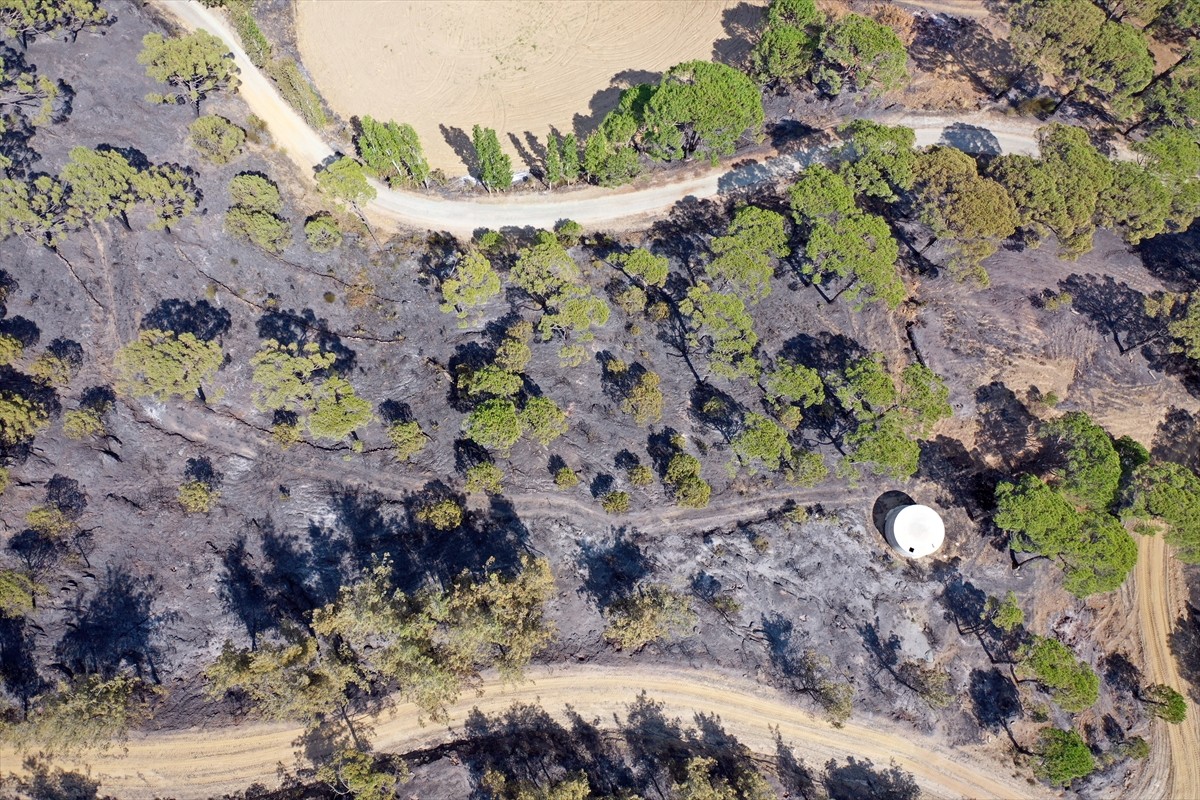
495 423
701 107
1093 468
471 286
21 418
163 364
102 183
16 593
971 214
878 160
287 378
393 152
1083 174
644 266
217 139
1006 614
256 213
26 19
168 192
444 514
787 48
554 161
194 66
683 478
297 91
883 444
1064 757
544 419
762 440
790 382
843 242
644 400
721 321
322 233
90 713
408 440
1165 703
1172 155
857 53
1169 492
651 613
38 210
485 477
1040 205
925 396
495 166
345 181
1071 682
742 257
361 775
570 158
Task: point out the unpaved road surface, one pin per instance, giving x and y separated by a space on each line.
203 763
592 207
1173 770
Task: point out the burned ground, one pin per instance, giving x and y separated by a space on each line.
150 588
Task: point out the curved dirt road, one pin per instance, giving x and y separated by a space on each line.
197 764
1173 769
592 207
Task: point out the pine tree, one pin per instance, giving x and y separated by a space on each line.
495 166
554 162
570 158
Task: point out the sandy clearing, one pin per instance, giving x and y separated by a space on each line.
196 764
1173 770
520 66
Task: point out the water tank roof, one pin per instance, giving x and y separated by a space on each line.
915 531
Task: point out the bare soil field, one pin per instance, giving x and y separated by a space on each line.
514 65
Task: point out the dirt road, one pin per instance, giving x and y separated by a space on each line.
592 207
197 764
1173 769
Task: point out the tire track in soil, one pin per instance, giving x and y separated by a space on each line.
204 763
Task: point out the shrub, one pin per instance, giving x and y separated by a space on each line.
641 475
566 478
16 594
11 349
615 502
485 477
197 497
216 138
1165 703
1065 756
322 233
21 419
687 487
495 423
84 423
162 365
257 46
545 419
444 515
652 613
49 520
407 438
297 91
1072 683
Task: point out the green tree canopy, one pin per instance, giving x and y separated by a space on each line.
1170 492
742 257
701 107
495 423
878 160
652 613
762 441
346 182
217 139
393 152
1065 756
162 364
857 53
971 214
26 19
1165 703
495 166
720 321
471 286
194 66
1071 682
643 265
1093 468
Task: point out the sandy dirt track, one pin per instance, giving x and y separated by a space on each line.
1173 770
197 764
519 66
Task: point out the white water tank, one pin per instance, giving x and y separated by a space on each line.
915 531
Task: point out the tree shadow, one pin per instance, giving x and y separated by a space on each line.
1006 427
460 142
199 318
742 25
612 570
825 352
965 480
606 99
116 626
1116 309
40 782
537 166
884 505
1185 646
1178 439
303 328
994 698
1173 258
715 409
971 139
18 663
1122 674
959 48
856 780
23 330
683 234
242 592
